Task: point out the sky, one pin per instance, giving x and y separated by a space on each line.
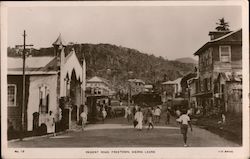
168 31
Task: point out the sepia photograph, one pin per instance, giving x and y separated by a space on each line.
127 79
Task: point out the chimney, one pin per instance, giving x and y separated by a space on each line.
217 34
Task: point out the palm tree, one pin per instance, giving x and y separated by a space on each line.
222 25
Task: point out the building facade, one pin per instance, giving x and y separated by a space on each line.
228 92
192 91
136 86
48 79
98 86
171 89
223 53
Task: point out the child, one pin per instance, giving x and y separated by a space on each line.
184 121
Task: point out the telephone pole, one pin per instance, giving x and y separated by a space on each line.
23 87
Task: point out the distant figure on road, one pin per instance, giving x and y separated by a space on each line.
178 113
128 113
104 114
157 115
184 121
168 116
139 118
84 118
134 111
149 117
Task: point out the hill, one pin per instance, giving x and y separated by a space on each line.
187 60
114 62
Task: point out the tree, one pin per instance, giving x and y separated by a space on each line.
165 77
222 25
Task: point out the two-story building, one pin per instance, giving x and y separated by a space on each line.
136 86
222 54
171 89
99 86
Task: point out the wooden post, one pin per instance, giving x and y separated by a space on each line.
23 86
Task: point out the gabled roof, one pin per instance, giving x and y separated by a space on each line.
136 81
34 65
177 81
96 79
30 62
222 40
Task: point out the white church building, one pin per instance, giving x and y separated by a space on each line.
48 80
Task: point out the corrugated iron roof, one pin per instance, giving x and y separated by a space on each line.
30 62
177 81
136 80
216 41
33 65
98 79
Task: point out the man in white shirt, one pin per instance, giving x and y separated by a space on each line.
184 121
157 114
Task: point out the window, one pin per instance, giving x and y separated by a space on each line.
44 99
11 95
237 95
225 53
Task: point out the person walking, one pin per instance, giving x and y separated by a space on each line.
157 115
84 118
184 121
129 113
178 113
104 114
135 122
168 116
149 116
139 118
126 112
134 111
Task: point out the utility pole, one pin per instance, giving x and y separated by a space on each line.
23 95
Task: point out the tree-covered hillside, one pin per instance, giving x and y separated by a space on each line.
114 62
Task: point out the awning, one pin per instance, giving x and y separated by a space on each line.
204 94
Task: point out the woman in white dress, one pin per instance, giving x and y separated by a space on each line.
84 119
51 123
139 119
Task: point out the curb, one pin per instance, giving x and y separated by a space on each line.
37 137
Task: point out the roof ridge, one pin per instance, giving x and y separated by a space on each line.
224 36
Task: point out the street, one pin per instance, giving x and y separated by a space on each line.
118 133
